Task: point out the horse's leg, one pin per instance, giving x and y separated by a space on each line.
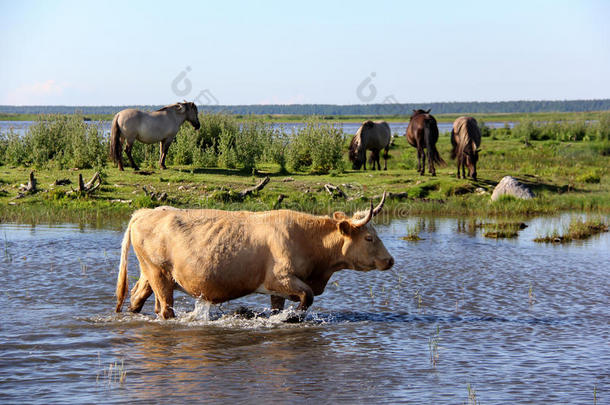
164 146
430 162
423 162
128 147
377 158
385 159
464 168
372 159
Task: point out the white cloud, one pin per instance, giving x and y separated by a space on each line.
39 93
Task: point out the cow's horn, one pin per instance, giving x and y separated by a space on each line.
361 222
378 208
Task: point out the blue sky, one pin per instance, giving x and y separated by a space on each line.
352 52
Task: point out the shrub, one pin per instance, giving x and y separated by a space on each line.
251 142
277 150
318 146
14 149
86 149
65 140
484 129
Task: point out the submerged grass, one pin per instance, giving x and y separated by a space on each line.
501 230
578 229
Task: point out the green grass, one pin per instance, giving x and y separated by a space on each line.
565 176
578 229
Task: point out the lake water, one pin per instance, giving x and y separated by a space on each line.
398 128
518 321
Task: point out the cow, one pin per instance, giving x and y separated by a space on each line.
218 256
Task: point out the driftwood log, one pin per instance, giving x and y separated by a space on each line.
29 188
277 204
334 191
91 185
155 196
248 191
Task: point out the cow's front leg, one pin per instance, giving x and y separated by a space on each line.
295 289
277 303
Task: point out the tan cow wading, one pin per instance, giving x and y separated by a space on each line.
222 255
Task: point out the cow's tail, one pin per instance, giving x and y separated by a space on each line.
121 284
116 148
431 132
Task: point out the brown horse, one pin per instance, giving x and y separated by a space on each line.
466 139
422 133
373 136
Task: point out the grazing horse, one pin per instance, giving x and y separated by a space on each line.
422 133
372 136
466 139
149 127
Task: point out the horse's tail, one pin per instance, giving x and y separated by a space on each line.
121 284
454 144
116 148
430 136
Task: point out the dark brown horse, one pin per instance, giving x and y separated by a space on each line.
373 136
422 133
466 139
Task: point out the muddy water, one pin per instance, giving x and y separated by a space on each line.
518 321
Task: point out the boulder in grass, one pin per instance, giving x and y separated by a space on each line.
511 186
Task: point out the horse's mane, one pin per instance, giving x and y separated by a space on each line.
354 143
418 112
167 107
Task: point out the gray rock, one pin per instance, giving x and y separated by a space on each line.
511 186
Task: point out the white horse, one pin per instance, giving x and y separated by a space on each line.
149 127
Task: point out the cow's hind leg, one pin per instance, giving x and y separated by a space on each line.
163 287
139 293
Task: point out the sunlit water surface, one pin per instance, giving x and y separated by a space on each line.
518 321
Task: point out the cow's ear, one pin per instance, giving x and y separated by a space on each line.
339 215
345 228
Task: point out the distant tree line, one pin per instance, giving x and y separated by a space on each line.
355 109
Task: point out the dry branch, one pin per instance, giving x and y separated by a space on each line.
244 193
280 198
334 191
29 188
91 185
155 196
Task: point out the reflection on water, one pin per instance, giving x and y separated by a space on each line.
519 321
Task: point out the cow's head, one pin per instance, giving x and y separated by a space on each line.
362 248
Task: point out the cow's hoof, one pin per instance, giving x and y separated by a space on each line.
295 317
245 313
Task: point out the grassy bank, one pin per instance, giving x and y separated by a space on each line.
563 175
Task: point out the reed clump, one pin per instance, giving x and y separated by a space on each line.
578 229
